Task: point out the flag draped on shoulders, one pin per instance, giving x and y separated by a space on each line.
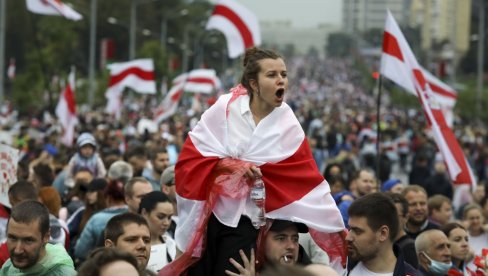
295 189
239 26
398 57
66 111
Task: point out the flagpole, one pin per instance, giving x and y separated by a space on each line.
91 60
378 128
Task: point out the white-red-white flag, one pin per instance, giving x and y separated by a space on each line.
66 111
396 51
136 74
202 81
53 7
398 71
196 81
170 102
239 26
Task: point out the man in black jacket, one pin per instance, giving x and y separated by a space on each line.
373 223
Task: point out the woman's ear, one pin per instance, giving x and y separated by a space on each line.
254 85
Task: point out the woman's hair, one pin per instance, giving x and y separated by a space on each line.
252 67
104 256
91 209
451 226
150 200
469 207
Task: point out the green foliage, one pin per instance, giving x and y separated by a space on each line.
339 45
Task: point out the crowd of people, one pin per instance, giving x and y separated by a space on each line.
128 199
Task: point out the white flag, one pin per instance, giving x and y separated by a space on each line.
53 7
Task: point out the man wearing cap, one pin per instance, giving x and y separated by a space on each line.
373 223
159 159
168 187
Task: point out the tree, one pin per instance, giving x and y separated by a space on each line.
339 45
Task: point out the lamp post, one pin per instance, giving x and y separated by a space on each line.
164 24
481 46
91 58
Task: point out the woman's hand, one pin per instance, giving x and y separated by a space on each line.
254 172
249 268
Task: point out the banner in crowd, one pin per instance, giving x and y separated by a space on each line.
397 56
66 111
9 158
196 81
137 75
53 7
239 26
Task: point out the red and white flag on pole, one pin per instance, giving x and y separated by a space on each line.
66 111
397 56
136 74
53 7
398 71
170 102
239 26
196 81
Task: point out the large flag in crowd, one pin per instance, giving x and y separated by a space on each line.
66 111
53 7
239 26
399 59
196 81
136 74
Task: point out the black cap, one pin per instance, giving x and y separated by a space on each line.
97 184
280 225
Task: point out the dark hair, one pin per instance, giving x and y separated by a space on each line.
102 256
328 168
44 173
155 151
129 187
378 210
252 67
451 226
398 198
115 226
30 211
150 200
23 190
115 190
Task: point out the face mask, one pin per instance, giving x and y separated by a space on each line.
437 267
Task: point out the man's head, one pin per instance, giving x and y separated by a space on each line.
440 209
130 233
168 182
134 190
373 223
433 252
159 159
417 204
281 243
138 159
401 205
365 182
121 171
22 190
27 233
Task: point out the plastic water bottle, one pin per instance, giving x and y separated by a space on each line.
258 196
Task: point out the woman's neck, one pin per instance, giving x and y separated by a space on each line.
259 110
476 232
156 239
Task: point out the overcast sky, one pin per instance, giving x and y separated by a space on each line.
302 13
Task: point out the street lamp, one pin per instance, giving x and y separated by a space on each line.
164 24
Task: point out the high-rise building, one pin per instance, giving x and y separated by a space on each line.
363 15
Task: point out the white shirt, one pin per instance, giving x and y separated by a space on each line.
361 270
241 126
158 258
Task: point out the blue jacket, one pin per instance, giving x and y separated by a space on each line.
92 234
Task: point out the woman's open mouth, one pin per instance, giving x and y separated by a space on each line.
279 93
